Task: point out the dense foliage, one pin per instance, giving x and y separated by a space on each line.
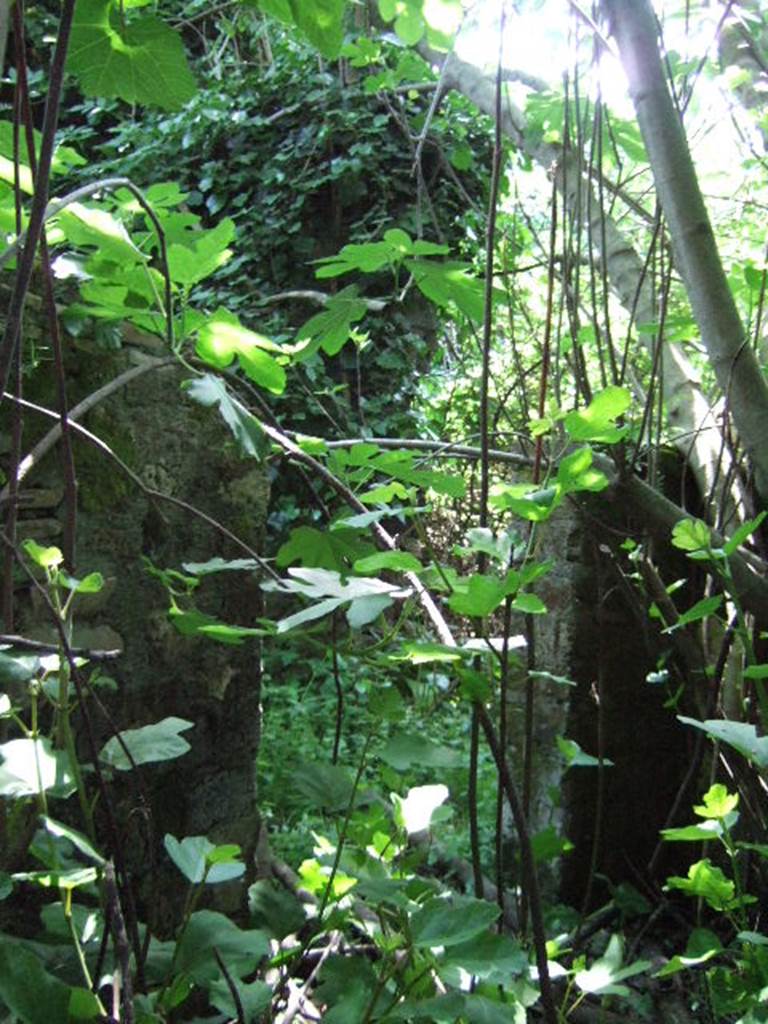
446 315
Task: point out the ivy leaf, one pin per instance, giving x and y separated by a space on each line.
209 390
691 535
142 61
222 337
702 946
199 859
603 976
331 329
575 473
718 803
366 597
29 767
160 741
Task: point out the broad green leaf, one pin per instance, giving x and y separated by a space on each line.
699 833
348 985
336 549
160 741
198 858
410 25
691 535
740 735
331 329
207 930
487 955
17 668
450 285
548 845
756 671
535 504
93 583
529 604
30 993
479 596
78 840
603 977
701 610
575 473
707 881
450 921
423 654
702 946
202 253
460 1006
139 59
222 337
254 997
718 803
414 811
95 227
322 22
743 533
46 558
577 758
399 561
499 547
29 767
209 390
83 1005
407 750
220 565
597 421
326 786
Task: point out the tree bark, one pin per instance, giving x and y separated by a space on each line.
633 24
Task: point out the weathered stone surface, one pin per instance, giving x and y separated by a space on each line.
182 449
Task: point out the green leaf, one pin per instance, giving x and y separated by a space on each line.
450 285
575 473
701 610
399 561
718 803
160 741
202 253
78 840
254 996
331 329
83 1005
337 549
698 833
136 58
450 921
407 750
209 390
536 504
220 565
603 976
366 597
46 558
90 584
322 22
426 653
414 811
207 930
222 337
410 25
32 766
743 533
529 604
702 946
480 538
576 757
740 735
325 786
487 955
32 994
691 535
17 668
198 859
707 881
596 422
347 986
479 596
